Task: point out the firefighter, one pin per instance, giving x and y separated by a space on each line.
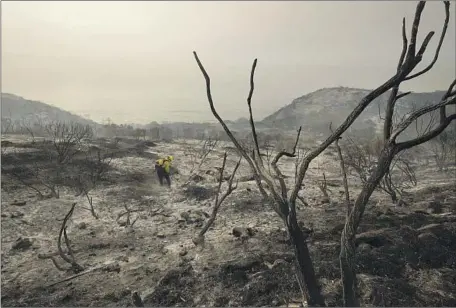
162 166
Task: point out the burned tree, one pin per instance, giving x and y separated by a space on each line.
7 126
33 126
408 61
443 150
68 254
199 154
278 194
199 239
361 159
66 138
273 188
97 164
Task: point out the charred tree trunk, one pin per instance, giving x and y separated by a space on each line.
347 254
307 271
347 267
389 187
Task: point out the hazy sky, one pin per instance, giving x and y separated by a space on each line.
133 62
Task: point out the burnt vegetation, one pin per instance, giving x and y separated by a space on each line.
251 219
283 199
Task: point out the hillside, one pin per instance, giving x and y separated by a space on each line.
314 111
18 109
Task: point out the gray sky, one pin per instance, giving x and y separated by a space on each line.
133 62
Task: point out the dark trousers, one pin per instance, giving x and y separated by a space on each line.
161 173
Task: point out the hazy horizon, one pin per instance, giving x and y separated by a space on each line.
133 61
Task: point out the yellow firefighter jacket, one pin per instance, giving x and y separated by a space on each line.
165 163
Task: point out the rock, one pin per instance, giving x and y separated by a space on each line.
201 213
337 229
364 247
122 223
210 172
324 200
122 258
243 233
196 178
22 244
113 267
82 226
435 207
160 235
183 252
16 214
136 299
198 240
19 203
4 215
244 264
246 178
100 245
251 231
237 232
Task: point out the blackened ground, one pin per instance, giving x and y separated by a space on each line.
405 255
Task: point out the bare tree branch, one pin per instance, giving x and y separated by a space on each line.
344 172
249 104
199 239
252 163
69 259
276 159
439 46
424 110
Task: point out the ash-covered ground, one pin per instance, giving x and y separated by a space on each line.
406 254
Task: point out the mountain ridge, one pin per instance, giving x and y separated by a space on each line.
313 111
18 108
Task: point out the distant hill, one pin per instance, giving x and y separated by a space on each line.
19 109
314 111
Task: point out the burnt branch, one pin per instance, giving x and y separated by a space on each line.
75 267
99 164
439 46
249 104
418 113
398 97
92 208
323 186
199 156
258 172
128 212
393 97
199 239
111 267
344 170
276 159
66 138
